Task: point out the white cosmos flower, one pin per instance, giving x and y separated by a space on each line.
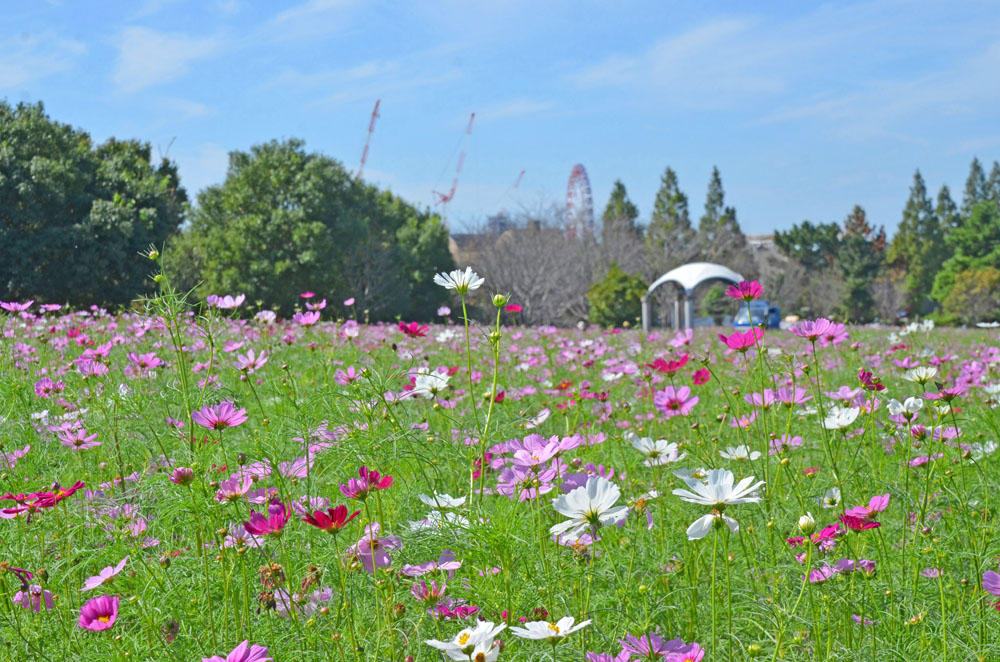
551 632
908 409
658 452
445 336
469 641
719 490
838 417
533 423
588 506
442 501
460 281
927 325
429 384
831 499
979 451
692 474
740 453
988 325
920 374
439 521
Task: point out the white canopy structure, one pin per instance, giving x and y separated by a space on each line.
687 277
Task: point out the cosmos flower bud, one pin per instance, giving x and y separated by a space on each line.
807 524
153 254
499 300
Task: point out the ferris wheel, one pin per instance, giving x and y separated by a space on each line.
579 204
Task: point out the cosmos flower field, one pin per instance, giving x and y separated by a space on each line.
217 483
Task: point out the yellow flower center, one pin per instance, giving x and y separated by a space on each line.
104 619
554 628
464 637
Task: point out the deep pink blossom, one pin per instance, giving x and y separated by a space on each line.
245 652
745 290
673 401
271 524
741 341
220 416
99 613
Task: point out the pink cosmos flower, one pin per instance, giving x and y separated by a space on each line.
813 330
182 476
99 613
858 523
234 488
513 308
349 302
34 598
272 524
227 302
876 504
78 439
245 652
307 295
316 306
741 341
673 401
429 592
148 361
345 377
306 319
701 376
668 367
220 416
104 577
991 582
15 307
250 362
746 291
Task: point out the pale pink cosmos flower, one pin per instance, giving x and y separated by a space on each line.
227 302
813 330
673 401
233 489
220 416
371 550
78 439
250 362
306 319
104 577
345 377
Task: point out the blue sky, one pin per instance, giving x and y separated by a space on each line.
806 108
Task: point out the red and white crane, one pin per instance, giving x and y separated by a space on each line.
368 139
445 198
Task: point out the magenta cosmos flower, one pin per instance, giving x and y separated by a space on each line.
220 416
740 341
745 290
104 576
245 652
876 504
99 613
991 582
272 524
368 480
673 401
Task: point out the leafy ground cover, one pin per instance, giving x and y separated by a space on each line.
218 483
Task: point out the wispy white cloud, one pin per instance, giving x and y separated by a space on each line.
308 19
147 57
183 109
512 108
29 58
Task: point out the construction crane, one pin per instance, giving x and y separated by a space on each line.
368 139
445 198
517 182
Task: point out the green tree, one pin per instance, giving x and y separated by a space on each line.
861 254
715 202
918 249
74 217
946 211
975 296
720 237
286 221
670 224
975 188
813 246
975 245
616 299
992 189
620 213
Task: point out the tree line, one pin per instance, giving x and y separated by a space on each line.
75 217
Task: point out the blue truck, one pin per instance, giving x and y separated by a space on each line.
763 314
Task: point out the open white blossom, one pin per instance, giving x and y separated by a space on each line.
442 501
838 417
588 507
470 641
831 499
908 409
550 632
920 374
718 491
460 281
540 418
740 453
657 452
429 384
